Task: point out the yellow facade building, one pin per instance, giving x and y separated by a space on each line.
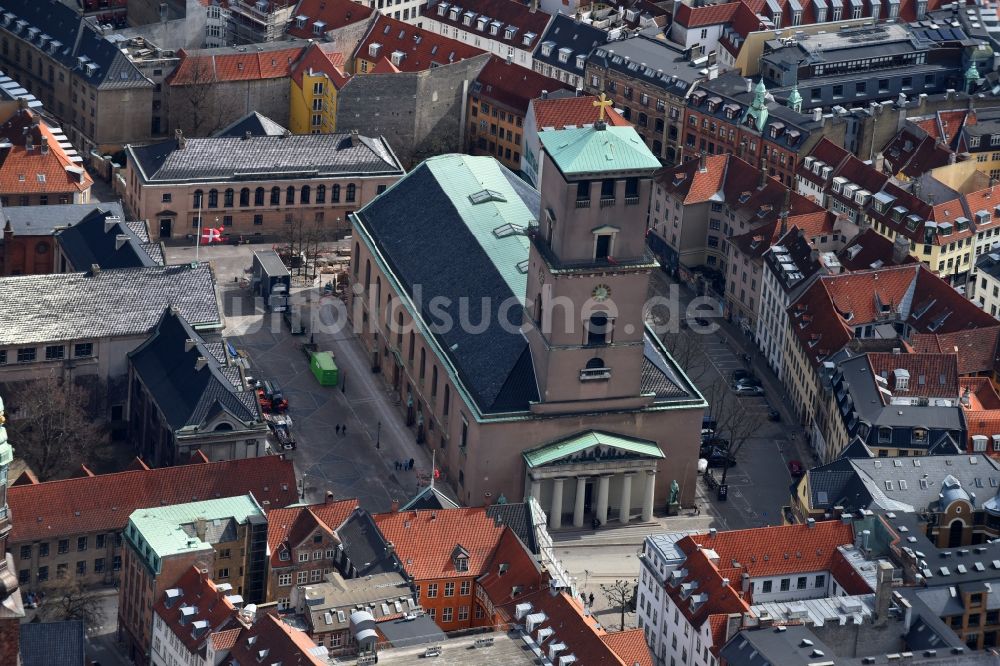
315 81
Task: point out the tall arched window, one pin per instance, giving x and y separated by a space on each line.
304 194
320 194
399 330
245 197
412 345
258 197
378 292
198 196
423 362
276 196
447 399
368 273
227 200
213 198
351 191
290 195
357 258
434 381
335 194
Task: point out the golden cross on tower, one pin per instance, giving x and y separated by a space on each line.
603 103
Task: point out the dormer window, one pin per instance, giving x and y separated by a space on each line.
564 55
454 13
481 23
581 61
509 32
973 142
494 29
467 19
442 9
460 558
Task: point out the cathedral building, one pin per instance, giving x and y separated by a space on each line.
510 323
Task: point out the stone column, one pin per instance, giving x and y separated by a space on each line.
581 494
536 489
602 498
647 503
626 503
555 514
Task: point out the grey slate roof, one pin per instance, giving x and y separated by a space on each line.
365 545
782 646
407 633
429 498
564 32
837 484
256 123
53 644
517 517
502 380
626 56
94 240
188 396
77 37
942 567
114 303
296 156
44 220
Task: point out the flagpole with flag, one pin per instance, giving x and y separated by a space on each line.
197 238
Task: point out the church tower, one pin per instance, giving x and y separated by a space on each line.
588 270
11 607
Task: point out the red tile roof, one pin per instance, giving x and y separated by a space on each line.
24 171
507 12
103 503
426 540
201 593
291 525
572 112
511 573
322 59
582 633
333 13
630 646
284 644
774 551
982 394
227 64
226 639
977 348
513 86
872 247
383 66
939 371
698 17
422 49
692 184
721 599
847 576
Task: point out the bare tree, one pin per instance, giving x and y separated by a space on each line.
197 98
68 600
733 420
621 593
686 348
53 425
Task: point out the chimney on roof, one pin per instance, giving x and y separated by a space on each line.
29 139
120 240
200 363
702 162
95 269
394 507
22 104
329 497
749 85
900 249
355 138
883 593
45 145
763 173
745 584
179 138
810 523
733 623
965 397
712 532
247 135
533 6
188 345
545 94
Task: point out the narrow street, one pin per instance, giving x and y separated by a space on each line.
759 482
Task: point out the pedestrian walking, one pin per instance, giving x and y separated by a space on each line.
591 599
343 430
338 428
411 464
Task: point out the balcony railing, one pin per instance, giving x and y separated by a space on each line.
607 201
583 203
595 374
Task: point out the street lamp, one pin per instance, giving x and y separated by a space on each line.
378 436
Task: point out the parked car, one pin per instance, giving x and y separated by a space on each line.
749 380
708 423
747 390
709 445
773 414
739 375
706 434
796 468
717 458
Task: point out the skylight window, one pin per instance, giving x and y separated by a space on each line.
484 196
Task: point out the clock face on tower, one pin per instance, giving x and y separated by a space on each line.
601 292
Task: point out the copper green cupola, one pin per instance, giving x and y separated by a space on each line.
758 108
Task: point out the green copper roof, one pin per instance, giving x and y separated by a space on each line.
160 532
972 74
491 209
543 455
585 150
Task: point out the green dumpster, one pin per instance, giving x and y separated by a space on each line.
324 369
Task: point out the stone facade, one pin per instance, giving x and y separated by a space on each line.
420 113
